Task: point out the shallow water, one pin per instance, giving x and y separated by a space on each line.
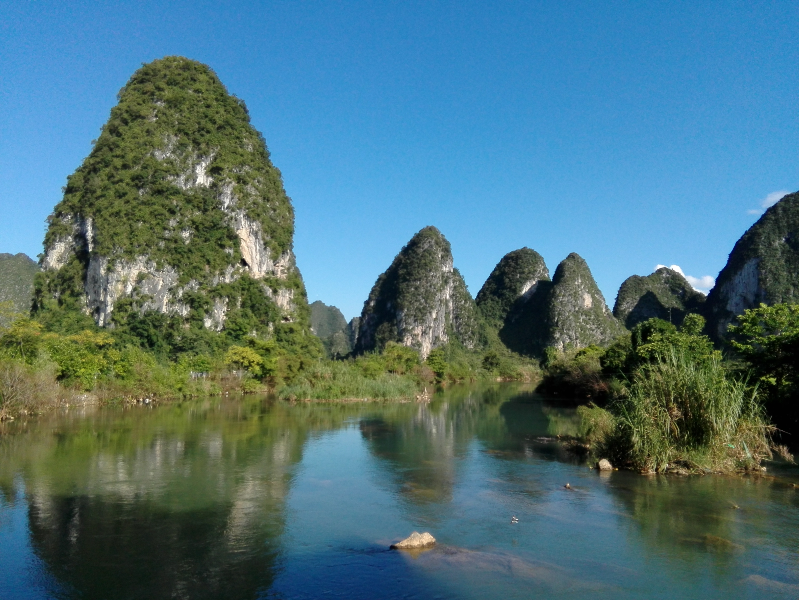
253 498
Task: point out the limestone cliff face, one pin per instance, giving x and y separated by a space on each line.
568 312
763 267
421 301
516 277
177 209
665 294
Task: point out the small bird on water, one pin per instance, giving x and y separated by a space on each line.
514 520
567 486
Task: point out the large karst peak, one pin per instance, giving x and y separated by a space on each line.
178 210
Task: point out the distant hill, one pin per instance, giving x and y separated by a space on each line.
515 277
326 320
664 294
420 301
16 280
329 325
567 312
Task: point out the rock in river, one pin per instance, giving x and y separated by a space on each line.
604 465
414 541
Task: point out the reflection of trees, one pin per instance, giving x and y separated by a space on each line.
682 514
422 450
186 501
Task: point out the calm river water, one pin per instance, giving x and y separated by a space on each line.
254 498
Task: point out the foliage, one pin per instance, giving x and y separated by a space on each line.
345 380
767 337
575 375
655 339
684 413
241 357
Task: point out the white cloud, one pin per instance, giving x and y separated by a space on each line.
773 198
769 201
700 284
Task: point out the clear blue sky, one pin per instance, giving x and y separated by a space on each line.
632 133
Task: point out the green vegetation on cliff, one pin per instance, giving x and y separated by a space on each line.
177 215
568 312
665 294
763 267
420 301
516 275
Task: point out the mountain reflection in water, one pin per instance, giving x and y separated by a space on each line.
255 498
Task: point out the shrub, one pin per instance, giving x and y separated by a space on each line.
683 412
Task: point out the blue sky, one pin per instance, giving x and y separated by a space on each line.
632 133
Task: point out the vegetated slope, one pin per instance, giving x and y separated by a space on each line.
177 210
17 272
665 294
568 312
326 320
515 277
763 267
329 325
420 301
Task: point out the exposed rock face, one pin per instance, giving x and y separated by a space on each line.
421 301
515 277
763 267
414 541
568 312
177 209
665 294
16 280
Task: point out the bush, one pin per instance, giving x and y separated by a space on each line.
688 414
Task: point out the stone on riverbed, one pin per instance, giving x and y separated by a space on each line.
415 540
604 465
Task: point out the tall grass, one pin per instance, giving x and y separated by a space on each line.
683 413
343 380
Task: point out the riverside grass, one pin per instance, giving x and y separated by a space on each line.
334 380
685 415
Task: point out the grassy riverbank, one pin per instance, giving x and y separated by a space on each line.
43 366
664 399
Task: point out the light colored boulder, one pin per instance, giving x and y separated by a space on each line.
604 465
414 541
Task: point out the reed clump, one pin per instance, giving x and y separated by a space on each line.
345 380
682 414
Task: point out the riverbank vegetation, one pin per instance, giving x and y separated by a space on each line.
69 360
664 399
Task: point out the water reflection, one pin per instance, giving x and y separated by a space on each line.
241 499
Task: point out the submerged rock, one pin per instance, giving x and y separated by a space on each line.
415 541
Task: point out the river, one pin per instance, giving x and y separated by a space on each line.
255 498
